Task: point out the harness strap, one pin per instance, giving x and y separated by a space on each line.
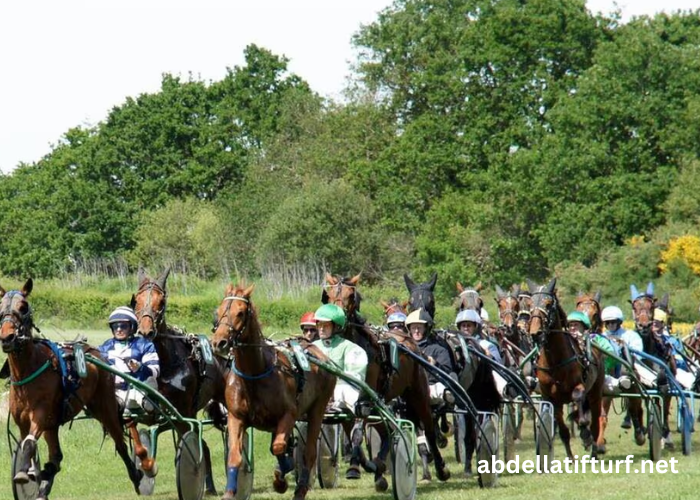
250 377
34 375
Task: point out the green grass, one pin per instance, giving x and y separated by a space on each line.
91 469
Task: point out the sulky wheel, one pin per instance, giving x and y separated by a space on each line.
328 445
488 448
686 430
190 468
147 484
655 431
30 489
403 477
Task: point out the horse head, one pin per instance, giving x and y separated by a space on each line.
546 314
421 294
16 320
342 292
508 309
393 306
149 304
590 306
524 314
234 318
643 305
469 298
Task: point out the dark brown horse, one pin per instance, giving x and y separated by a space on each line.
564 372
409 381
267 391
40 402
514 343
474 375
186 379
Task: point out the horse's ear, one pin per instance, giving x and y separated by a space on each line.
405 304
228 291
598 295
432 282
324 297
141 275
478 286
132 304
331 279
552 285
163 278
384 304
460 287
516 290
531 285
650 289
579 294
248 291
634 293
354 280
28 287
499 292
2 291
410 284
663 303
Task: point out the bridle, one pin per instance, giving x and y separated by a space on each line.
542 313
21 323
508 312
470 299
591 308
234 335
648 314
158 317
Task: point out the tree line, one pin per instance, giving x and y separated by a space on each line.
485 140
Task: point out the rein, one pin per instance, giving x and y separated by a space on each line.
33 376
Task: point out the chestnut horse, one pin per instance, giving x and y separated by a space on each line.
590 306
564 371
469 298
410 382
41 400
518 344
266 391
186 380
474 375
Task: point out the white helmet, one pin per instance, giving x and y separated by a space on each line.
468 315
484 314
612 313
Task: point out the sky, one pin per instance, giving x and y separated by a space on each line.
67 63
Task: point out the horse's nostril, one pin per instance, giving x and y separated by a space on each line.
221 345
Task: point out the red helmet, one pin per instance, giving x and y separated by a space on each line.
307 319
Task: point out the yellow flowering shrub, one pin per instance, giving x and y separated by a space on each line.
686 248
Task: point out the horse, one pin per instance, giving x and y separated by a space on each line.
393 306
267 391
409 381
524 313
474 375
514 345
564 371
186 380
643 305
41 399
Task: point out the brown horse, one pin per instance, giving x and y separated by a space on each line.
410 382
590 306
643 305
469 298
514 345
565 373
41 400
186 379
267 391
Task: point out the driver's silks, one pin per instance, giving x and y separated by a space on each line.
302 361
205 347
394 353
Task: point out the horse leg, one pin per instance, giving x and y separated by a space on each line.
426 418
280 449
469 443
235 456
315 420
636 413
53 466
668 441
603 424
148 464
27 471
564 433
357 456
423 452
209 478
584 417
596 404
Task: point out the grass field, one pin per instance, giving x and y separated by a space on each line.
91 470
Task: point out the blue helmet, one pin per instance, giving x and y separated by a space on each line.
124 313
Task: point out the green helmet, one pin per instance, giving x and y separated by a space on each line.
579 316
331 312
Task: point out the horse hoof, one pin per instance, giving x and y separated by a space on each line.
279 484
381 485
210 493
426 480
442 441
300 493
21 478
602 450
640 437
228 496
444 474
153 471
353 472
